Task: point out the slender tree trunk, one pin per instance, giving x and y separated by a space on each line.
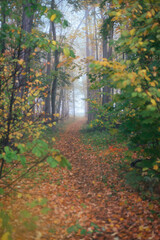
95 33
107 53
48 98
106 89
27 24
87 55
56 62
60 100
3 17
74 110
2 43
63 104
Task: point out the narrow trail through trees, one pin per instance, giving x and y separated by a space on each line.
89 202
110 204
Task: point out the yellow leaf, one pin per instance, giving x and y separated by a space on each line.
53 139
53 17
153 84
56 114
66 52
46 10
38 74
153 26
132 32
155 167
19 195
58 158
43 103
148 93
41 164
141 228
153 12
153 102
23 73
148 15
139 89
50 124
5 236
54 153
0 222
118 14
21 61
54 42
140 6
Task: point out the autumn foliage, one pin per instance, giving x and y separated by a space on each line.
134 72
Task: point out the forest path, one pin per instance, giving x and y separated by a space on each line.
90 201
97 195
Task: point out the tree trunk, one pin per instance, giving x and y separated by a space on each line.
95 33
74 110
107 53
3 17
87 55
60 100
48 98
56 62
27 24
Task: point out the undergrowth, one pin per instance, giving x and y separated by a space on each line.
101 140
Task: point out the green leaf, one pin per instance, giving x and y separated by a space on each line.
37 151
72 54
1 191
72 229
33 204
21 148
83 231
52 162
65 23
45 210
10 155
43 201
65 163
23 160
83 205
25 214
6 149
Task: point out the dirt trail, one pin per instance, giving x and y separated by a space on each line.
83 205
119 211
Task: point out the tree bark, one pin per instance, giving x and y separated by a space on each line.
27 24
56 62
48 98
60 100
107 53
3 16
74 110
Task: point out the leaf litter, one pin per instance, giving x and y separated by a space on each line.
90 201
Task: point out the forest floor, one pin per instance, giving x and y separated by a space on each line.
91 201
